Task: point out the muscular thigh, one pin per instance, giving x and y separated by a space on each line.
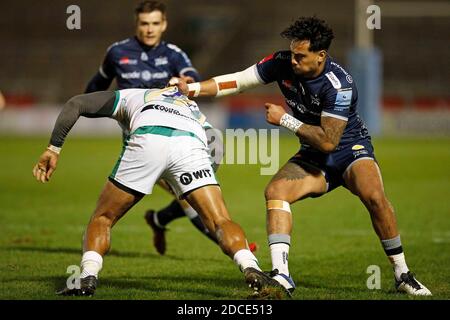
209 204
115 200
295 181
363 178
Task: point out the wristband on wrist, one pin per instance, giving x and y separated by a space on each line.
289 122
54 149
194 89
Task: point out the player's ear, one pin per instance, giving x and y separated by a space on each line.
321 56
164 24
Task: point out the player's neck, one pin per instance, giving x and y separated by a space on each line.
319 70
147 47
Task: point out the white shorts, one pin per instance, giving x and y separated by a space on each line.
176 156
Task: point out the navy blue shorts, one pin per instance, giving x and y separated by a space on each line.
334 165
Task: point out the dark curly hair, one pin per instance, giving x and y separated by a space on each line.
310 28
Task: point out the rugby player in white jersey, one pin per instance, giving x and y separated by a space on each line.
167 141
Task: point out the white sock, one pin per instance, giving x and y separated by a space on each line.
190 212
399 264
280 254
246 259
91 264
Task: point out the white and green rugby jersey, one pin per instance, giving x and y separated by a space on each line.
136 108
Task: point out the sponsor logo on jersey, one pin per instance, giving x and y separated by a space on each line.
160 61
162 108
127 61
349 78
283 56
333 79
131 75
160 75
144 56
300 107
315 100
270 57
344 97
288 84
357 147
187 177
146 75
362 152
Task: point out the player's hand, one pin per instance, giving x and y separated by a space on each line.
187 79
181 84
45 167
274 113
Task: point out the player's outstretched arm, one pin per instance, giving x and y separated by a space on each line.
93 105
223 85
325 137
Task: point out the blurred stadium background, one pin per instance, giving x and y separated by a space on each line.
42 64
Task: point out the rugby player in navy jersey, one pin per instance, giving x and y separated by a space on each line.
336 148
145 61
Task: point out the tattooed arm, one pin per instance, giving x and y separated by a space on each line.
325 137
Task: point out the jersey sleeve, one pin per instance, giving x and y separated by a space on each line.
93 105
106 69
105 75
337 101
181 63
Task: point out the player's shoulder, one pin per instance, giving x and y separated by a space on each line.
172 48
120 45
278 56
337 76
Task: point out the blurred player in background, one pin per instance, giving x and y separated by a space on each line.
167 140
145 61
335 148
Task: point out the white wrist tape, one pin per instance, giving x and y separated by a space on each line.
289 122
234 83
194 89
56 150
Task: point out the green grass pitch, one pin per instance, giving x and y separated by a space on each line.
332 245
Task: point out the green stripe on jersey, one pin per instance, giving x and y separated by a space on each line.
116 167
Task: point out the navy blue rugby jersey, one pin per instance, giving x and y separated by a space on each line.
135 65
333 93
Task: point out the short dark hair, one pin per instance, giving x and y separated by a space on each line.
313 29
150 6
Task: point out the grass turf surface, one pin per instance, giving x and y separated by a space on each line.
332 245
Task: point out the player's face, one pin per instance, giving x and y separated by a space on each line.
306 63
150 27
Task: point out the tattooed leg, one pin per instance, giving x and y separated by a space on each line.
292 182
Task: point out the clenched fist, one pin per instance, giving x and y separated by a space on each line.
181 83
274 113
